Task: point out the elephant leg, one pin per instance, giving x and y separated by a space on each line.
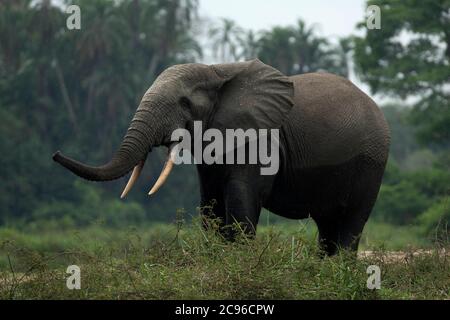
212 207
343 233
242 206
343 229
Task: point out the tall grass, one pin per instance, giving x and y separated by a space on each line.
186 262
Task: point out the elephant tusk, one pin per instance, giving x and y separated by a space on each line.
168 166
134 176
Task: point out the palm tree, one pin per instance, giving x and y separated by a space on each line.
102 31
226 39
164 30
276 48
12 39
122 48
342 54
299 49
309 48
315 53
249 45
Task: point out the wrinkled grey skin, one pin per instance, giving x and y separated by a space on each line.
334 144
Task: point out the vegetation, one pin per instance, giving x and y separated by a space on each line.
77 90
411 57
170 262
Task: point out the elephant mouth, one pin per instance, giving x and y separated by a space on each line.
168 166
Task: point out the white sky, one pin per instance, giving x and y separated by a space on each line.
336 18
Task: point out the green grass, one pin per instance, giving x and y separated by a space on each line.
173 262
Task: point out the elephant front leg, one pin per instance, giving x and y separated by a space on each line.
242 208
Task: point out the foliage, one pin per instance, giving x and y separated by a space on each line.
410 55
406 195
77 90
435 220
292 49
189 263
415 179
404 142
298 49
92 206
400 203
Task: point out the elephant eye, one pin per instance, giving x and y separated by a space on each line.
185 103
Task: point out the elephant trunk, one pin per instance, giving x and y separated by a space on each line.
140 138
114 169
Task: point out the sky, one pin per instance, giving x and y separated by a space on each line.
335 18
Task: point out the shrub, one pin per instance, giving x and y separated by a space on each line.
436 219
400 203
92 205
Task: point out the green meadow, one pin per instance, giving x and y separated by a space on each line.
183 261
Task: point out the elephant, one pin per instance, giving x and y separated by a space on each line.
333 145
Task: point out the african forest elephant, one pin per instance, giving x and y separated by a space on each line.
333 144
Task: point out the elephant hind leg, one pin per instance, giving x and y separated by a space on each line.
335 234
343 228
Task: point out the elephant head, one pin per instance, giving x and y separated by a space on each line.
237 95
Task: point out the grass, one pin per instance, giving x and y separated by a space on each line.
185 262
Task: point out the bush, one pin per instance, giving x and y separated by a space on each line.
406 195
436 219
91 206
431 182
400 203
117 214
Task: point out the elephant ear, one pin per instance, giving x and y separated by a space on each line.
252 95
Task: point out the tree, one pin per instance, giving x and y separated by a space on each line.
249 45
226 38
77 89
276 49
410 56
298 49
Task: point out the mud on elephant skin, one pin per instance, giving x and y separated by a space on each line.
333 144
